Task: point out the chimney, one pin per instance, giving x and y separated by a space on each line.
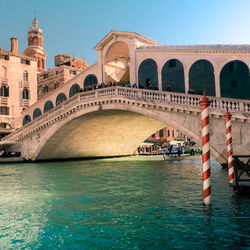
14 45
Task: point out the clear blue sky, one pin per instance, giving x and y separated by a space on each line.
76 26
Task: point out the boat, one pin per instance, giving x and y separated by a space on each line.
176 157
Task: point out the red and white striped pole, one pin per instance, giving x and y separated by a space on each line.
205 132
229 148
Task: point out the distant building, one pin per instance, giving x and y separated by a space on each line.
65 59
167 134
18 86
53 78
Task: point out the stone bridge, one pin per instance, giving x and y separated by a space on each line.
113 121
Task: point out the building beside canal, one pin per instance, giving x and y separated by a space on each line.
66 68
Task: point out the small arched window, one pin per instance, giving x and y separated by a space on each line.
4 91
26 119
25 93
60 98
47 106
25 76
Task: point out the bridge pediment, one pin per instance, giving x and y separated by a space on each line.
114 35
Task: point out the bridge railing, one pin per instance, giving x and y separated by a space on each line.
234 105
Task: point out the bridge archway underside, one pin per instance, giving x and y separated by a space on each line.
114 121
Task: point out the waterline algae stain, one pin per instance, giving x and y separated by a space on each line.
119 203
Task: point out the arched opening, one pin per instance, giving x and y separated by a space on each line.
117 61
234 80
147 74
75 88
25 93
201 78
60 98
37 112
25 76
4 91
173 76
47 106
90 82
26 119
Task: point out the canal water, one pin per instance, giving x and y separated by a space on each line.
119 203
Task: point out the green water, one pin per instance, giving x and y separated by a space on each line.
125 203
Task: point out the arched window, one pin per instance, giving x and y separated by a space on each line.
43 64
3 72
147 74
37 112
47 106
201 78
90 81
25 76
4 91
75 88
26 119
234 80
173 76
25 93
60 98
38 63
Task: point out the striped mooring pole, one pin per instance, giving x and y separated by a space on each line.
229 148
205 132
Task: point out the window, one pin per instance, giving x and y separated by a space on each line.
25 76
168 132
153 135
4 57
38 63
4 91
45 89
4 110
161 133
173 133
45 76
23 61
72 72
56 85
57 72
25 93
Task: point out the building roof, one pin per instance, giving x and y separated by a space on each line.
198 47
5 52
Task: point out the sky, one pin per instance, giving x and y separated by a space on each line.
76 26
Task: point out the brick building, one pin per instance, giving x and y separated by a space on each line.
66 68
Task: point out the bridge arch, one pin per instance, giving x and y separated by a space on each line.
74 89
26 119
47 106
60 98
235 80
148 74
173 76
86 124
37 112
201 78
90 81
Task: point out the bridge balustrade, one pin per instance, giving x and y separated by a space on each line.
191 100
